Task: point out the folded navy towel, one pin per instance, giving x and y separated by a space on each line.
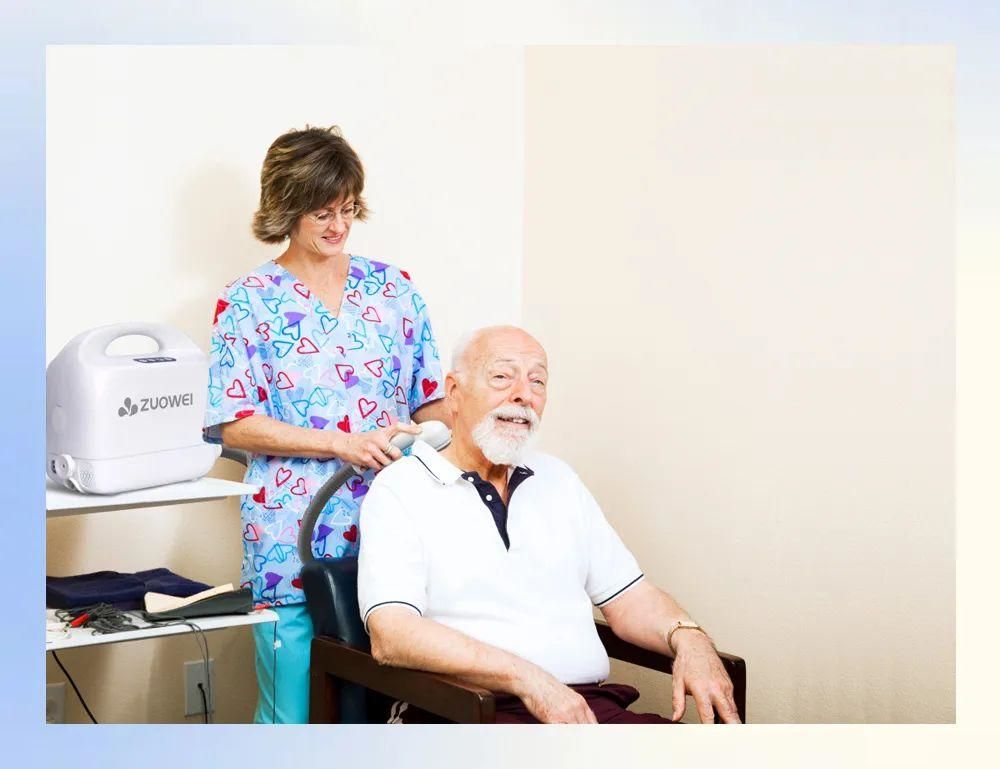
98 587
166 582
125 591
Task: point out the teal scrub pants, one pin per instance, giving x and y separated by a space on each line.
282 656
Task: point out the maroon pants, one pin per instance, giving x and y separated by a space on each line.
609 702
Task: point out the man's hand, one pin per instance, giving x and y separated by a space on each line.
552 702
698 671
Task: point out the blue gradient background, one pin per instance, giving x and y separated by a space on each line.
25 30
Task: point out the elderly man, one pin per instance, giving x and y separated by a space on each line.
483 563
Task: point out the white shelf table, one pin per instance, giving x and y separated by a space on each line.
60 501
56 640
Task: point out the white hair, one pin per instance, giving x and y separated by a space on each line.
461 349
465 342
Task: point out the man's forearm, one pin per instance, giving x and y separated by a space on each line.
402 638
643 616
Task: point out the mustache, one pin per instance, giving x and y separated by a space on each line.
515 412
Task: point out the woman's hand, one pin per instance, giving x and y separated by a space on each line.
372 449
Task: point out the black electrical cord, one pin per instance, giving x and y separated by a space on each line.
101 618
207 669
73 684
202 643
204 699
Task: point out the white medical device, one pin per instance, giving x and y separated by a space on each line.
123 422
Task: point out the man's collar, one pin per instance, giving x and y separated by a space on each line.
443 471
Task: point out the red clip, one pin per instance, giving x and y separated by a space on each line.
79 620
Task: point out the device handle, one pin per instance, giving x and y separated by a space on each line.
94 343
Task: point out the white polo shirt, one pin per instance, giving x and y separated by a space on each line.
433 539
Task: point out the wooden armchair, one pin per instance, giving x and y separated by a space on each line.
348 686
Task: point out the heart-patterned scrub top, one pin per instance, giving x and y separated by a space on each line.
277 351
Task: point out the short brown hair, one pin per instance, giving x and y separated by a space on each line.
302 172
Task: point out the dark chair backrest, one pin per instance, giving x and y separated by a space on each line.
331 588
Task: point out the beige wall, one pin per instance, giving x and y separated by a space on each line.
152 159
741 262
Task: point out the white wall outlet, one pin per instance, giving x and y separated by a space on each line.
55 703
194 674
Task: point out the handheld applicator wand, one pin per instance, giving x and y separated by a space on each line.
434 433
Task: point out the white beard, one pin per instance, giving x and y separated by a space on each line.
500 445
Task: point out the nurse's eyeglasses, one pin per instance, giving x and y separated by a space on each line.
327 215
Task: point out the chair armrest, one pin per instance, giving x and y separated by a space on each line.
629 652
444 696
735 666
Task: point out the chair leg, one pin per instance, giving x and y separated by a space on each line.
324 702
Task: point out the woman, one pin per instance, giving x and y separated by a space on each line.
318 358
